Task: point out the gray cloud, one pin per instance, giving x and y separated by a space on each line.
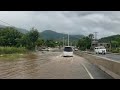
74 22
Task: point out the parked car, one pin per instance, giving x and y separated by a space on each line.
100 50
76 49
68 51
44 49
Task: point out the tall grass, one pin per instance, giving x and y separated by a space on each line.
115 50
11 50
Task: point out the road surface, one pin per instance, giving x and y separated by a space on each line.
51 65
111 56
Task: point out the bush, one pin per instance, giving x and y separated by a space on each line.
11 50
117 50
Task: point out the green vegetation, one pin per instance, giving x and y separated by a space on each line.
117 50
11 50
52 35
114 41
11 40
50 43
11 57
10 37
18 29
84 43
18 56
14 44
29 39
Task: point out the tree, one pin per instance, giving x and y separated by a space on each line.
9 36
40 42
50 43
31 37
91 36
84 43
115 44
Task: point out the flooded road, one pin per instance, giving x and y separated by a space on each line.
50 65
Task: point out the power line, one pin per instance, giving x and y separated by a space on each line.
6 23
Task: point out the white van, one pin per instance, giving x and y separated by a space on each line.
68 51
100 50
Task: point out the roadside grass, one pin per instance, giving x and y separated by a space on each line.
18 56
14 53
117 50
12 50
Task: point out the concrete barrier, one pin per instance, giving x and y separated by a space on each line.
109 66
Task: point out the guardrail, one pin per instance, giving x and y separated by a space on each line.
109 66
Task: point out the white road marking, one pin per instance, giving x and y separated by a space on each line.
88 71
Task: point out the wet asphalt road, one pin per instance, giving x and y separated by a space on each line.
51 65
111 56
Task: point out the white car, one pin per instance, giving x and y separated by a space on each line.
44 49
100 50
76 49
68 51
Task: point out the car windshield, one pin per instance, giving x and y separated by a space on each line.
68 49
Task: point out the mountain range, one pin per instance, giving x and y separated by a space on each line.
49 34
19 29
110 38
52 35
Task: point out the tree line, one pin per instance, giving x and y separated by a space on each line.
85 42
114 42
11 37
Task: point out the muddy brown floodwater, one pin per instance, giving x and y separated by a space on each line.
48 65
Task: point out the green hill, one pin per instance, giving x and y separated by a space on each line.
110 38
19 29
49 34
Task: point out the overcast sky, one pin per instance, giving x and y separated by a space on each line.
106 23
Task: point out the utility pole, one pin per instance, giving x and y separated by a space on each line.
95 35
63 41
96 42
68 39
